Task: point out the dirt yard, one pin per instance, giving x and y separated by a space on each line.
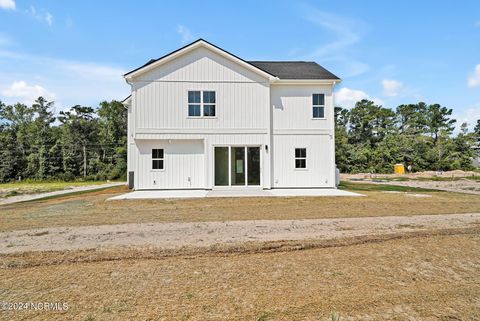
175 236
378 257
92 209
423 277
453 181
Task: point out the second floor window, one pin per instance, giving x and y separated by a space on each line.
318 105
201 103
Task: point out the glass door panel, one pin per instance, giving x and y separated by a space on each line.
253 159
238 165
221 166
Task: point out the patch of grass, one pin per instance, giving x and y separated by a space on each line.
68 195
380 187
34 187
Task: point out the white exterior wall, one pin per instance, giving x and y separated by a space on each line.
183 165
294 127
162 95
249 112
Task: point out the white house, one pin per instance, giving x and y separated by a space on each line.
203 118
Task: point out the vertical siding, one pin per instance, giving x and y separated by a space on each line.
242 97
320 170
292 107
183 159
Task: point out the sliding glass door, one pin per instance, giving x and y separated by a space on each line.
221 166
237 166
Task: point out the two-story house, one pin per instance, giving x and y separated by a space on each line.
203 118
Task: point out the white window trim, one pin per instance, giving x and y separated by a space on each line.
202 104
152 159
313 106
295 159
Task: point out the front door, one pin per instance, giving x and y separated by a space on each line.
237 166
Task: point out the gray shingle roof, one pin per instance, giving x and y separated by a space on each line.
294 69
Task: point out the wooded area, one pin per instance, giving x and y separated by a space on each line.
372 138
91 144
83 142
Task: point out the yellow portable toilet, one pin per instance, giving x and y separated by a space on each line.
399 169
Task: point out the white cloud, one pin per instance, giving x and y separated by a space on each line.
26 93
185 33
73 82
7 4
468 115
474 78
44 16
346 34
346 97
391 87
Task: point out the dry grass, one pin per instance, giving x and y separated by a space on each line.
431 277
92 209
29 187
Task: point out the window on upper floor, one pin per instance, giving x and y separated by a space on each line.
157 159
194 103
209 103
300 158
201 103
318 105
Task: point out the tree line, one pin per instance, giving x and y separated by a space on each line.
372 138
82 142
91 144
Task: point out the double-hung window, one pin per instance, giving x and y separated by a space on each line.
157 159
318 105
194 103
300 158
209 103
201 103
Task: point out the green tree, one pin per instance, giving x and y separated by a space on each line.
80 132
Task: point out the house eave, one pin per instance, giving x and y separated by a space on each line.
332 82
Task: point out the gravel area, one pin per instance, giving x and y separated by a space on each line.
202 234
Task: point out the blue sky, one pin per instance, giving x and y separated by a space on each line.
75 52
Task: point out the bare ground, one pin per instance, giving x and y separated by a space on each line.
415 277
204 234
453 181
92 209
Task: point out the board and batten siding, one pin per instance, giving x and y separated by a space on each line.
184 165
292 108
320 171
295 127
161 96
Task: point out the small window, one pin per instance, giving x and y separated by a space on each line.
318 105
209 103
157 159
194 103
300 158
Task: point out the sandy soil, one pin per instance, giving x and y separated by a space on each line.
428 278
459 182
462 185
425 174
204 234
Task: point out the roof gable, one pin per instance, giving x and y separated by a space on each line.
154 63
